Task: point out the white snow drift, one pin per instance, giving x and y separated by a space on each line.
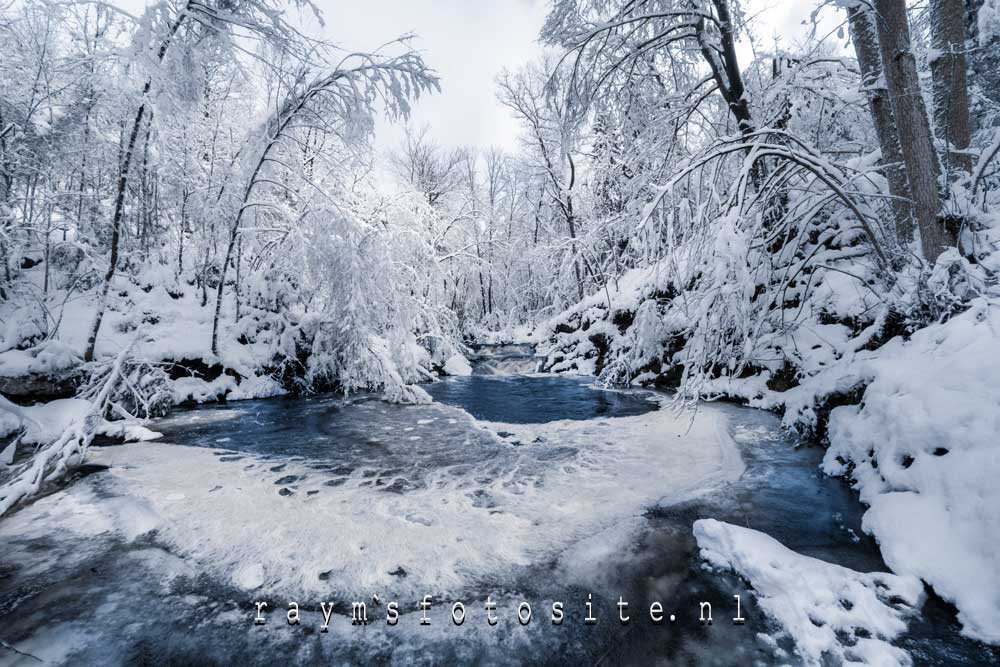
924 447
826 609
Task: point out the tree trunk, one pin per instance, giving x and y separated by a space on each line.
184 225
222 282
725 67
48 248
116 223
571 223
912 125
7 181
866 48
239 263
116 220
951 94
983 59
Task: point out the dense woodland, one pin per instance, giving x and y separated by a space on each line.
222 156
191 208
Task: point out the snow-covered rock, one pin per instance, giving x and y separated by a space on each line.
201 391
457 365
827 610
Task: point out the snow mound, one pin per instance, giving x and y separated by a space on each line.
128 431
924 451
47 421
48 357
827 610
225 387
457 365
263 386
201 391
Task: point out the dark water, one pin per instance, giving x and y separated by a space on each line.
513 400
112 600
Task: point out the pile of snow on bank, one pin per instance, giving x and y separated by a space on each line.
45 422
826 609
924 449
457 365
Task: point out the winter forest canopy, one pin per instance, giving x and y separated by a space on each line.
196 206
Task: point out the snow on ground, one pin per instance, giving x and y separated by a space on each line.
162 319
460 524
46 422
924 449
48 357
148 313
829 611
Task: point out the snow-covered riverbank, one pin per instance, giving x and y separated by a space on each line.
912 423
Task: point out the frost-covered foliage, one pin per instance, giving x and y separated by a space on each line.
242 242
371 292
988 22
64 429
734 288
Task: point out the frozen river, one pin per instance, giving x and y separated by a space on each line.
510 488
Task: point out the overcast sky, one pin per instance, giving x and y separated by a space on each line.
469 42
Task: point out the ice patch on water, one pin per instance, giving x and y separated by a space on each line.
166 565
81 511
753 434
447 527
249 576
49 646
